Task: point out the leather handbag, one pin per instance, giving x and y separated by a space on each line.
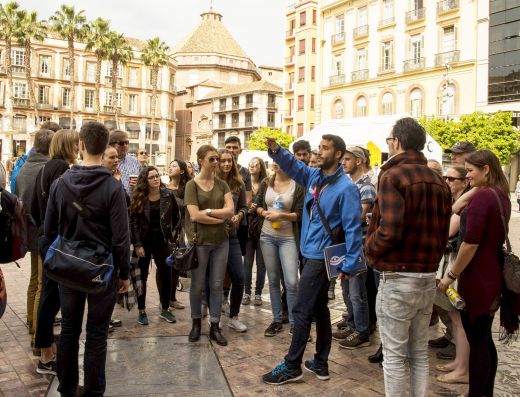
511 269
185 257
81 265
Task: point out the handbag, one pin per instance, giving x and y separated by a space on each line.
185 257
511 268
81 265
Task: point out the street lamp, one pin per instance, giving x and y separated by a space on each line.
446 92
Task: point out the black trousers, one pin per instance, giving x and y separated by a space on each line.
371 287
156 247
47 311
483 358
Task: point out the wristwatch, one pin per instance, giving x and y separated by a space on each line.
208 212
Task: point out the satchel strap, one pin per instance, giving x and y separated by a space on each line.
508 244
320 212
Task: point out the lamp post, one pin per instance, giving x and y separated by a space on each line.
446 94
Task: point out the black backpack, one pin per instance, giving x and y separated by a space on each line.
14 231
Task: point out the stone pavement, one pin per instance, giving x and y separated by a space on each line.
243 361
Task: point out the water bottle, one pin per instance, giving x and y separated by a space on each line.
278 207
455 299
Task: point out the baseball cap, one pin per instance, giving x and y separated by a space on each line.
461 147
356 151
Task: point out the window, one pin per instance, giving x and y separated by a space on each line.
234 119
292 26
108 99
301 48
20 90
301 102
303 17
43 94
386 56
133 76
314 45
45 65
132 103
271 100
221 139
65 97
289 129
416 102
301 74
338 109
90 75
416 45
314 17
448 39
361 107
388 9
387 105
20 125
313 73
340 24
235 101
247 138
291 51
270 118
300 129
89 99
66 68
447 99
337 65
222 104
119 70
249 99
361 59
249 118
312 101
18 57
362 17
221 122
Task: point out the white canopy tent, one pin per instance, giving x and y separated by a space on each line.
368 132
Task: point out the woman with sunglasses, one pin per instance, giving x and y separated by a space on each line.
456 370
154 217
209 204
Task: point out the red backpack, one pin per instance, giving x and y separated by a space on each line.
14 231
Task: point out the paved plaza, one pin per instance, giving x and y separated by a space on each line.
158 360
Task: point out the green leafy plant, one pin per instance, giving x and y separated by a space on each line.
257 141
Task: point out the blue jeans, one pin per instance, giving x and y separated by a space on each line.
280 255
252 248
215 258
355 298
236 272
100 307
404 307
311 301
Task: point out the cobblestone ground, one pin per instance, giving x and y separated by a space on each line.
246 357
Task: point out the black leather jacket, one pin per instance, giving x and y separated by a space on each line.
170 215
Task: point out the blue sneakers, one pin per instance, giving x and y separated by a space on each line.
321 372
282 374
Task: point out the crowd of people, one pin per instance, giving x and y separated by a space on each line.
279 220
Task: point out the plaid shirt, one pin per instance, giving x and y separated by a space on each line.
129 165
410 222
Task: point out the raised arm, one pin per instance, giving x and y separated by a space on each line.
296 169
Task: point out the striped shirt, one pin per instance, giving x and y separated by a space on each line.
367 192
129 165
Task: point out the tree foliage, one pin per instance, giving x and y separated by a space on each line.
257 141
493 131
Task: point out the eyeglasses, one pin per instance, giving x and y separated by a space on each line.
151 178
452 179
390 139
213 159
121 143
146 153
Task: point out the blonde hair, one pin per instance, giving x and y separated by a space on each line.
62 144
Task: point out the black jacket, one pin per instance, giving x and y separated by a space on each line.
170 215
104 197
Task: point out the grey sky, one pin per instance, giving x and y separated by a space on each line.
257 25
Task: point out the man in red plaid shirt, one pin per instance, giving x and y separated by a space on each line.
405 242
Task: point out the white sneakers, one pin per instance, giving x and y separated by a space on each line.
236 324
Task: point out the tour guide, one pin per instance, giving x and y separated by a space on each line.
340 203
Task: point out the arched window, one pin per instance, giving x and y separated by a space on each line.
387 103
447 99
416 99
338 109
361 107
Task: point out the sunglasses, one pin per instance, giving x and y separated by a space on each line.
452 179
151 178
146 153
120 143
213 159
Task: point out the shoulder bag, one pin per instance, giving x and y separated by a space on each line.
511 269
81 265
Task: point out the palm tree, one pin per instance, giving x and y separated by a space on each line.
97 40
8 27
71 26
119 52
154 55
30 29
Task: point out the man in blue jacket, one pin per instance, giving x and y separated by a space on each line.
340 203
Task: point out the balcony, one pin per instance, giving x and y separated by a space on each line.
338 38
411 65
289 34
336 80
360 31
110 109
222 125
271 124
235 106
386 22
415 15
386 68
249 123
359 75
447 57
21 102
250 105
289 60
289 87
234 124
47 106
18 69
288 114
271 105
447 6
222 108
